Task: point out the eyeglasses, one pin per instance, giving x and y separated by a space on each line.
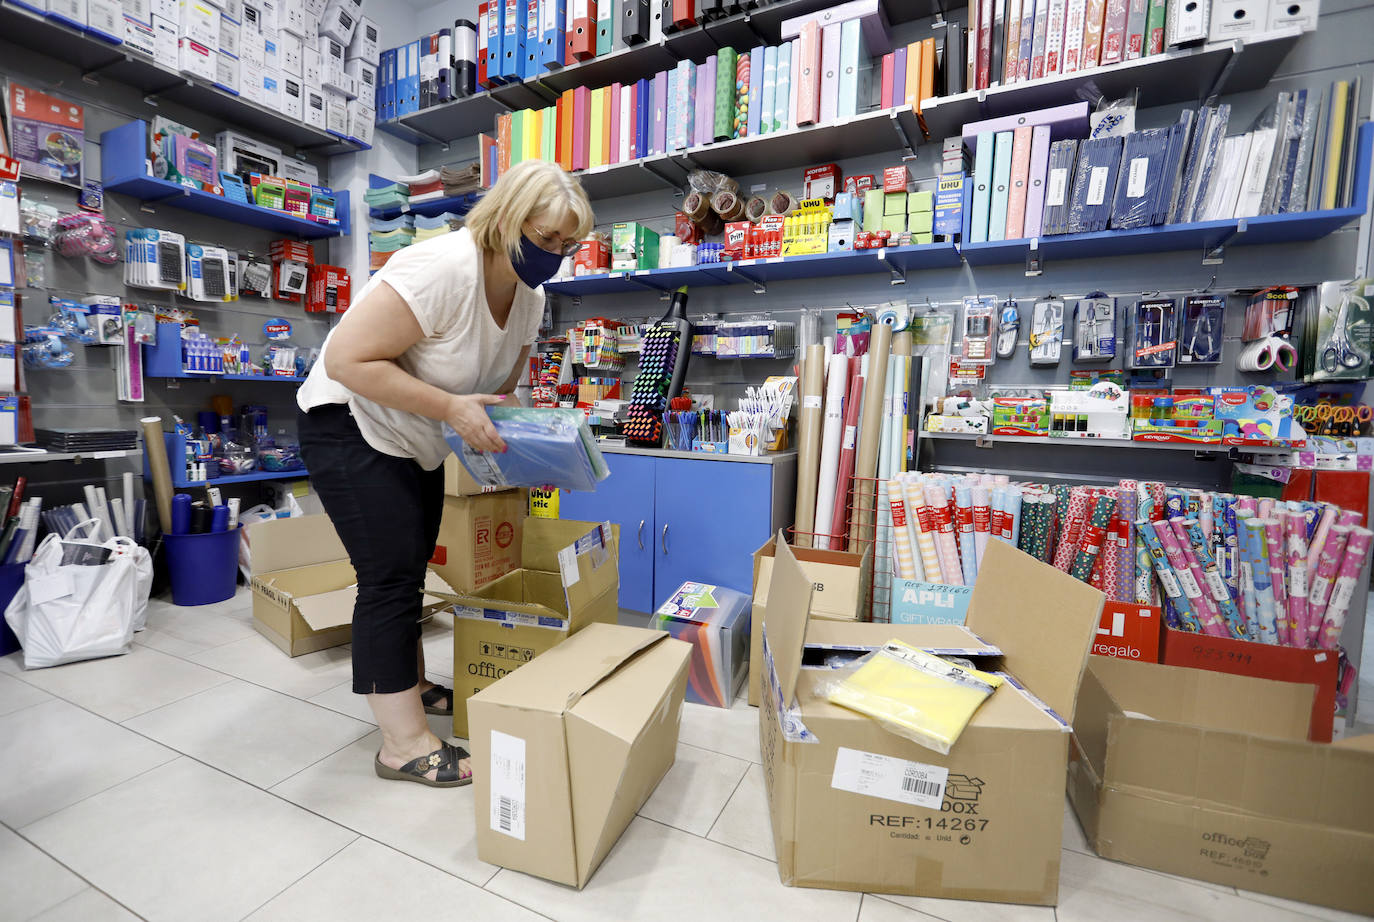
555 244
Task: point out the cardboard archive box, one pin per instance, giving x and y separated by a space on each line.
568 577
842 584
303 584
479 538
566 750
856 807
1211 776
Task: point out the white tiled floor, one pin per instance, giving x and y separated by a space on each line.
207 776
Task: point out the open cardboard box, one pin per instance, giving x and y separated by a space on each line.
566 750
304 586
479 538
843 816
568 578
841 582
1211 776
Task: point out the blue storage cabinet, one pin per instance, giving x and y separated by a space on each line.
686 518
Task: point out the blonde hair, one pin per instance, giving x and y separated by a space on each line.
528 189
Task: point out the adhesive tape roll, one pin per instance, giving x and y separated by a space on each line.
755 209
696 206
782 203
728 205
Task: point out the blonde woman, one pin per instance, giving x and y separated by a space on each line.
436 336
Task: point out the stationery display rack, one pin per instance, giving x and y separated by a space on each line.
96 57
123 153
175 446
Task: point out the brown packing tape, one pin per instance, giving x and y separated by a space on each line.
808 458
696 206
755 209
156 449
870 428
728 205
782 203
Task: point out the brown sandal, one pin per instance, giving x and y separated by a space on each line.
445 759
430 699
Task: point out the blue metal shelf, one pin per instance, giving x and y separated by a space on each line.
1201 236
175 446
123 153
162 359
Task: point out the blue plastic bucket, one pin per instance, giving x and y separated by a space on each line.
11 578
203 568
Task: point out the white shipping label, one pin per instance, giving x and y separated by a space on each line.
1135 177
579 10
811 402
567 565
508 784
849 434
1058 186
1216 585
1297 581
1190 587
1097 185
874 775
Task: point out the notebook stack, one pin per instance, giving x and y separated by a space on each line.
87 440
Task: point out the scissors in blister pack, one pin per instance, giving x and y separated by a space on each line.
1340 352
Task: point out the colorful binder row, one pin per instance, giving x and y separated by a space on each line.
435 68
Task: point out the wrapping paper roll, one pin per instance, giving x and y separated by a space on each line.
1173 591
900 366
1349 517
782 202
756 209
809 438
1204 517
982 521
866 461
1257 557
925 529
1229 560
844 494
1212 581
1206 617
1273 543
1314 549
1295 553
1013 516
937 502
1209 613
1094 534
1126 502
1328 567
1352 564
1070 537
832 439
901 540
155 448
968 553
1245 577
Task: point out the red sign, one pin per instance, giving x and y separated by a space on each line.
959 369
1128 631
9 168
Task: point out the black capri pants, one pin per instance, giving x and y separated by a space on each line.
387 512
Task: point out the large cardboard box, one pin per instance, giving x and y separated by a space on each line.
1211 776
568 579
566 750
1317 668
303 584
479 538
855 807
843 584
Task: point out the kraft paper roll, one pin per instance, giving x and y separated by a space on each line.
808 457
870 429
845 501
837 383
156 450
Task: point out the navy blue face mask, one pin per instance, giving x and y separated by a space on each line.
537 264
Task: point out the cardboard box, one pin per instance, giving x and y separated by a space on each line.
197 60
364 44
568 578
230 35
314 107
139 37
199 22
311 66
291 53
843 584
227 71
981 823
303 584
361 119
335 112
566 750
292 99
458 482
479 538
1210 776
1262 661
166 48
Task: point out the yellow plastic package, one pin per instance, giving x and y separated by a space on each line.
914 694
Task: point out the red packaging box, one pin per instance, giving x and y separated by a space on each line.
291 249
821 182
896 178
736 237
1262 661
858 185
768 234
329 290
594 257
685 229
1129 631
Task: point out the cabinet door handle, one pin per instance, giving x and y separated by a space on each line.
665 539
639 535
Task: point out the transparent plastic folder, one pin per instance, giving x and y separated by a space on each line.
544 447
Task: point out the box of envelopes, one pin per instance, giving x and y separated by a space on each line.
857 807
566 750
841 582
1212 776
568 578
715 621
304 585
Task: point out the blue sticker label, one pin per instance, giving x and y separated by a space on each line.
915 602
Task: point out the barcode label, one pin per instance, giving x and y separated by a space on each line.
875 775
1097 185
508 784
1136 175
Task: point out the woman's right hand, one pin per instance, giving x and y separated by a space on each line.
467 414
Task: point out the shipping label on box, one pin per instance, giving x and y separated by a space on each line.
335 112
166 46
230 32
916 602
139 37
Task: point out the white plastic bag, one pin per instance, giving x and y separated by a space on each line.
69 612
259 513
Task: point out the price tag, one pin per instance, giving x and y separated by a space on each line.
9 168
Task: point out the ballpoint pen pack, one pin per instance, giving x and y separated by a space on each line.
544 447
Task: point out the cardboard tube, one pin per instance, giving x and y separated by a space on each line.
870 428
155 448
808 458
827 479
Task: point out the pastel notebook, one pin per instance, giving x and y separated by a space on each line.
830 72
612 140
809 66
767 103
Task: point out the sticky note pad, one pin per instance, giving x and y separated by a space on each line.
894 203
917 202
922 222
